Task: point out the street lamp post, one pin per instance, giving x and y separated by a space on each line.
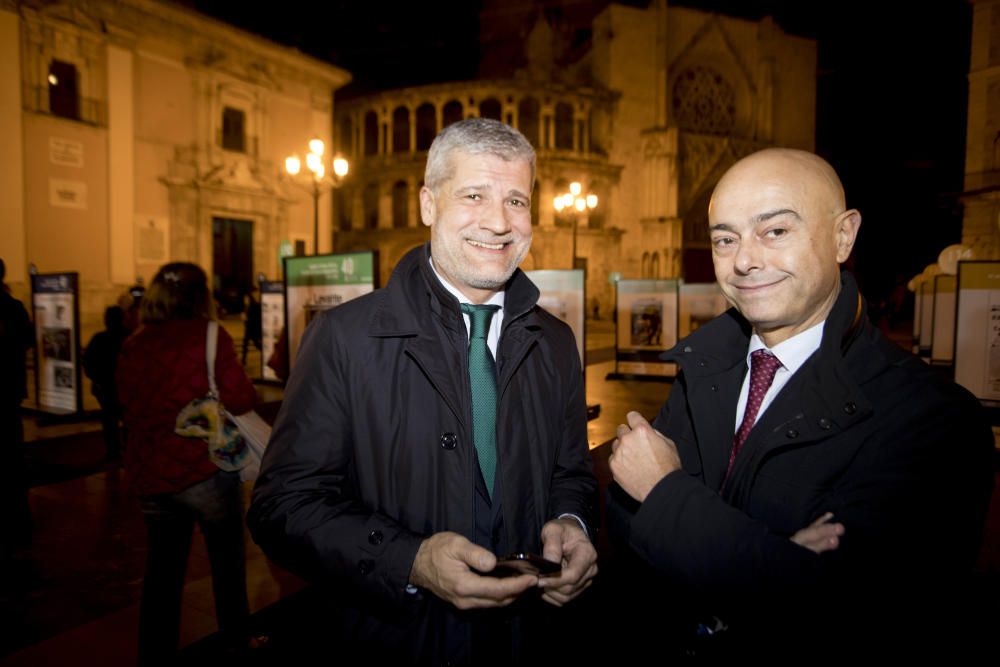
316 165
576 202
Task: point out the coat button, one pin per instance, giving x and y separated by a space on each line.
703 363
791 433
715 387
687 348
825 423
850 407
449 440
375 537
365 566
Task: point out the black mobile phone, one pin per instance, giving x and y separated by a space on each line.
525 563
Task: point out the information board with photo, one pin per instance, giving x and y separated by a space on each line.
646 327
272 321
316 283
562 294
977 330
55 307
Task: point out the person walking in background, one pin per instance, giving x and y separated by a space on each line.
160 370
16 336
100 359
252 330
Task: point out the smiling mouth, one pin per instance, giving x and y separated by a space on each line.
488 246
755 287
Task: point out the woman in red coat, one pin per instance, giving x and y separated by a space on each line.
161 369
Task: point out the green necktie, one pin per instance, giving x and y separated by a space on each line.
483 383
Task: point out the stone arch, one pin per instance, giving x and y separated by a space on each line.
401 130
528 119
400 204
426 125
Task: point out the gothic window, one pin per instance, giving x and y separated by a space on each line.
645 265
342 204
64 90
400 204
426 126
452 113
234 136
654 266
704 102
401 130
371 133
564 127
595 218
527 119
346 136
535 201
490 109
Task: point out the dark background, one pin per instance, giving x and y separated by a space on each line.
891 92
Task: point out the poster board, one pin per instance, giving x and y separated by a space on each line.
918 302
926 317
55 302
699 304
646 327
315 283
272 321
977 330
562 294
943 335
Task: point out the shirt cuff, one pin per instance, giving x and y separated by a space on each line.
583 526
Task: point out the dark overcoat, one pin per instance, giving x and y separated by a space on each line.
373 450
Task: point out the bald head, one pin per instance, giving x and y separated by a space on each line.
796 169
780 230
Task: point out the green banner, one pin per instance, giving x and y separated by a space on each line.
348 269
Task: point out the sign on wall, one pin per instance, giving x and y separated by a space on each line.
65 152
67 194
315 283
55 308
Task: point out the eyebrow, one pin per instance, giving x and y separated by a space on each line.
484 188
757 219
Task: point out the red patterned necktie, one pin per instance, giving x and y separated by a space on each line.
763 366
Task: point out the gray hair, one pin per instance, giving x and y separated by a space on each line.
475 136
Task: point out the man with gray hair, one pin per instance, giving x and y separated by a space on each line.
436 425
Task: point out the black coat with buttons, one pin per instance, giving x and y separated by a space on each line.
373 450
865 430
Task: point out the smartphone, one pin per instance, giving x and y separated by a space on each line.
525 563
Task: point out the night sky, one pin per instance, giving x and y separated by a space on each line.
891 108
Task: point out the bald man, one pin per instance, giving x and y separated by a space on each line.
807 481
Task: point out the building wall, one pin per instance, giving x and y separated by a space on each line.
981 217
137 177
640 131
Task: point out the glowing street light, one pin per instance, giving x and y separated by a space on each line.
576 202
316 166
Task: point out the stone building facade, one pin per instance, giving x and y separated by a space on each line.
981 217
647 115
135 133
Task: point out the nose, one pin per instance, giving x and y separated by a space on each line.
749 256
494 218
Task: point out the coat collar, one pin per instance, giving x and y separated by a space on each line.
823 398
414 292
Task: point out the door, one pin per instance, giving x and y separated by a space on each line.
232 263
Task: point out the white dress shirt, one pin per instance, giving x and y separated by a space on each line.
496 322
792 353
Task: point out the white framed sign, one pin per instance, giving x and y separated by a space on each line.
646 326
562 294
55 307
977 329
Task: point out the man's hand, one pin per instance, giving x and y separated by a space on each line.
820 535
641 456
445 565
563 541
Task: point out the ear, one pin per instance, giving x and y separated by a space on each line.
428 208
845 232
